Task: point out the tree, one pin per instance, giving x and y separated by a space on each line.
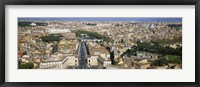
51 37
19 62
26 66
173 59
159 62
93 35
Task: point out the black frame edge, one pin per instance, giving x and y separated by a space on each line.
197 48
2 44
102 2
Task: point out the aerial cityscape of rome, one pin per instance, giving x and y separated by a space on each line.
99 43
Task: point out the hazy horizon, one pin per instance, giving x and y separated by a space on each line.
140 19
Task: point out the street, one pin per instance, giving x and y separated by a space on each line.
83 56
